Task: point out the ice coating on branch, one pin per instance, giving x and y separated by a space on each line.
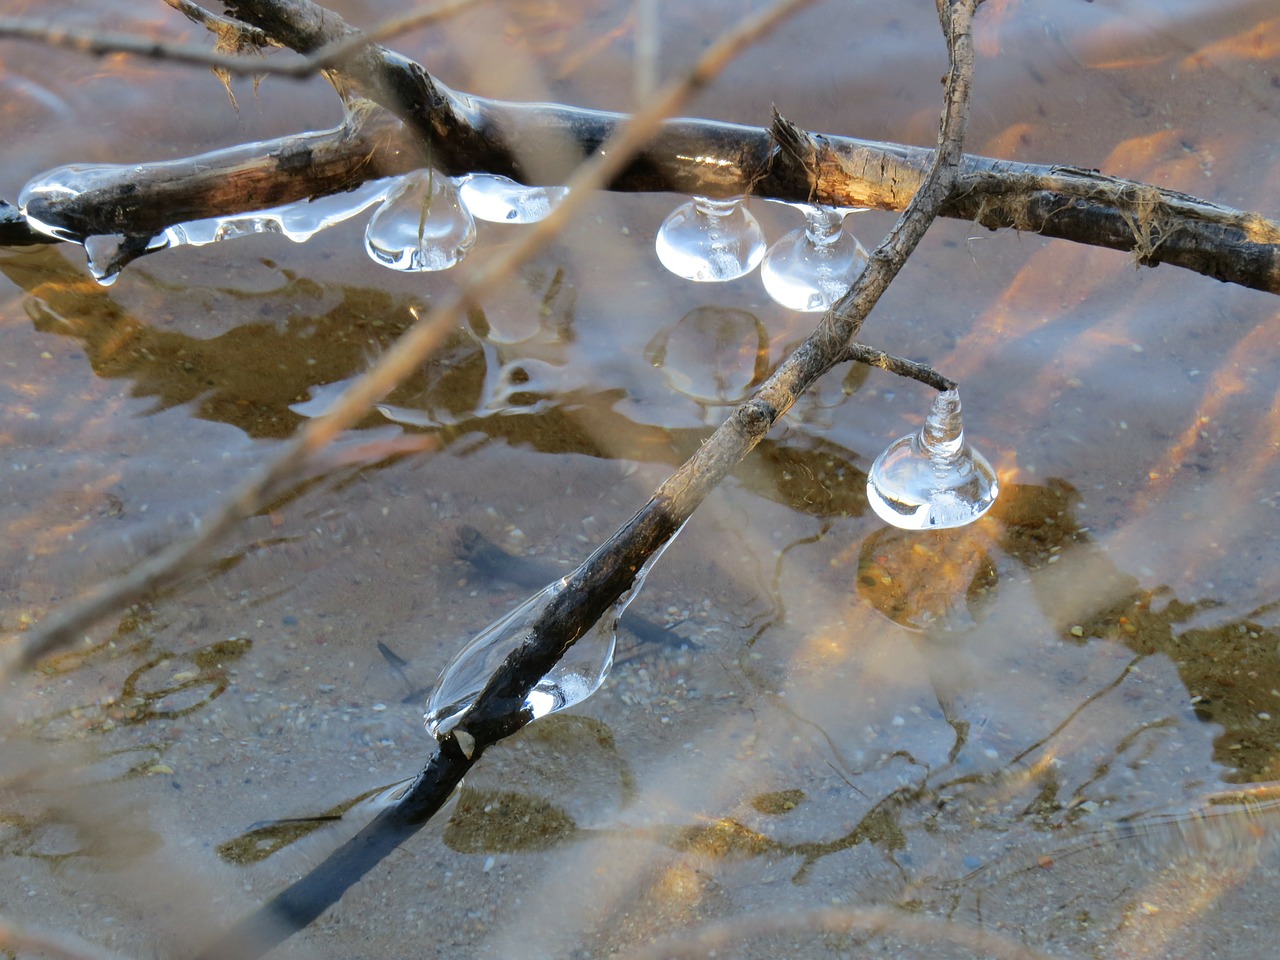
577 675
932 479
298 221
49 201
421 226
41 200
502 200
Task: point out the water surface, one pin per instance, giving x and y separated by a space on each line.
1020 724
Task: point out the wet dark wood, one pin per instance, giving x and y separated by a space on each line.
543 144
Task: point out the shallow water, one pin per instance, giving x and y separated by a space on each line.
966 724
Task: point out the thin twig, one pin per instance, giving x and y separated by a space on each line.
219 25
291 65
911 369
714 939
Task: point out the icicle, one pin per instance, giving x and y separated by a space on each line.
932 479
577 675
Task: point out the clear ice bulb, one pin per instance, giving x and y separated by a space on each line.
932 479
502 200
577 675
710 240
810 268
422 225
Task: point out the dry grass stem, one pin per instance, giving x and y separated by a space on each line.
401 359
297 66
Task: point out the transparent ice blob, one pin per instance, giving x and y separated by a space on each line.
812 267
421 226
109 253
298 221
577 675
710 241
932 479
40 199
502 200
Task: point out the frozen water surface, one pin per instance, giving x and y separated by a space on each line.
1025 724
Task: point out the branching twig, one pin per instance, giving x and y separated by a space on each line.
911 369
500 710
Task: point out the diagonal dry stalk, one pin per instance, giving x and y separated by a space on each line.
714 939
297 66
401 359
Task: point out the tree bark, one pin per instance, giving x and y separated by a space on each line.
544 143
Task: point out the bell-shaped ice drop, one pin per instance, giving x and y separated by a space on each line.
932 479
810 268
710 240
421 226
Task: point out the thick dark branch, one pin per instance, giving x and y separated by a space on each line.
542 143
15 231
141 201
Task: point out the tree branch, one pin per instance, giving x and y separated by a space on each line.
245 35
902 367
544 143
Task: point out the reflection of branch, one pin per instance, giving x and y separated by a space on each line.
714 938
543 143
